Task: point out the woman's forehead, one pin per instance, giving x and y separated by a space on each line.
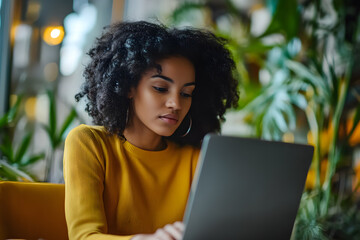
178 67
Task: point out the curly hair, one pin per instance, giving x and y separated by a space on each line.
127 49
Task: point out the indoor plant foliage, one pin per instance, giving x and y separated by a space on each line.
14 162
299 76
16 158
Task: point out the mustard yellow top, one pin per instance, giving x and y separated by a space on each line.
114 190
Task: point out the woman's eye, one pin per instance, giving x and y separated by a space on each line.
160 89
187 95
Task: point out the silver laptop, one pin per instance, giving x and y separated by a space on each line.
246 189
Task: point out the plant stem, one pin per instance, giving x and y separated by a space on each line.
49 163
335 151
315 131
320 117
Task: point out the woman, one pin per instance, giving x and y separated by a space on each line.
153 93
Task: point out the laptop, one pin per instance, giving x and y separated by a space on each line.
246 189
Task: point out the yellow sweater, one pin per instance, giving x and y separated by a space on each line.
114 190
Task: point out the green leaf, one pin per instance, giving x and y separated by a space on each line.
7 149
321 88
181 11
289 115
7 174
52 137
52 115
304 72
299 100
32 159
335 85
14 110
256 46
70 118
11 114
355 122
279 120
24 145
286 19
12 173
3 120
47 130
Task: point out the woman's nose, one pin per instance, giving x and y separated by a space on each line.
173 102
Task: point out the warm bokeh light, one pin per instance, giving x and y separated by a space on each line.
13 99
288 137
311 177
53 35
30 107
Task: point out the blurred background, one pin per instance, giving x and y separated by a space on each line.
43 54
296 61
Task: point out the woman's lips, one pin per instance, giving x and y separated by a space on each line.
169 118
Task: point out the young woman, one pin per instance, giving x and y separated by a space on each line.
153 93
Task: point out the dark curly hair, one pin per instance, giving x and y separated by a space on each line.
127 49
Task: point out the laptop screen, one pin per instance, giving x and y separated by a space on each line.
246 189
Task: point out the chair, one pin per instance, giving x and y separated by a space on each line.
32 211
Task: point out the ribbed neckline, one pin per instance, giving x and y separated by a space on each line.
147 153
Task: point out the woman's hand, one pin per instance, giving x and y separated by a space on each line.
169 232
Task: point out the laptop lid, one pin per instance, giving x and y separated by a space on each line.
246 189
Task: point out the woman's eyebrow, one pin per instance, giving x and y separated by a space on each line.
189 84
170 80
163 77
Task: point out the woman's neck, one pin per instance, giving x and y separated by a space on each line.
144 140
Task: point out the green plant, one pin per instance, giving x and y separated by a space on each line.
14 164
15 160
9 117
56 136
311 86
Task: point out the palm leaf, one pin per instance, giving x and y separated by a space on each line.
24 145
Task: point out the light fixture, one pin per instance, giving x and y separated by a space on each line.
53 35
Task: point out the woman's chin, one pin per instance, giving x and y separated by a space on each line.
166 133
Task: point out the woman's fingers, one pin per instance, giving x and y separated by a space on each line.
168 232
173 231
162 234
180 226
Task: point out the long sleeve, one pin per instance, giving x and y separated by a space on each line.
84 171
114 190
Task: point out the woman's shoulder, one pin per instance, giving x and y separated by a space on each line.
88 132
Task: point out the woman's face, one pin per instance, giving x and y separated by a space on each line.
162 100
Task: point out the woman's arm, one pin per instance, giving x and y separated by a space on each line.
84 184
